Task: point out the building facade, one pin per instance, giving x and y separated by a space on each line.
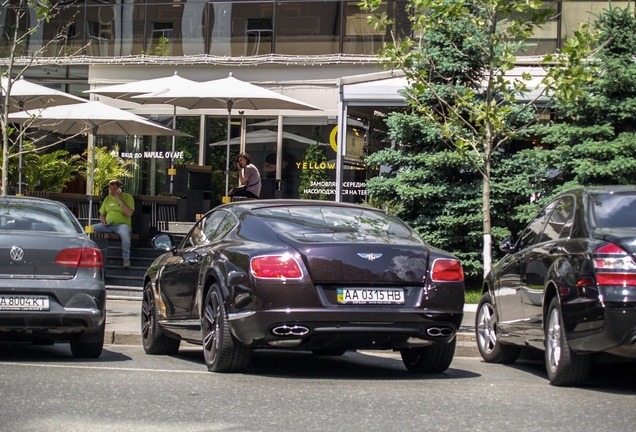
320 52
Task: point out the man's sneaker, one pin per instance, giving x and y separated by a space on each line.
126 263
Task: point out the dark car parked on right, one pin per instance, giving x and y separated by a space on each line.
566 286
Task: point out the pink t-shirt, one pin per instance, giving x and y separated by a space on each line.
252 179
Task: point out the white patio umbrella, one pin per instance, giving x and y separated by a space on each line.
129 90
27 96
95 118
229 93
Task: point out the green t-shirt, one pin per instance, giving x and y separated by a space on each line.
112 212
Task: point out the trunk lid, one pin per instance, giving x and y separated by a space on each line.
336 257
34 255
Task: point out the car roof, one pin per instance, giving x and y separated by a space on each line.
30 200
593 190
248 205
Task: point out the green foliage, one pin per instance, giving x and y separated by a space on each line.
161 47
593 139
189 144
314 156
48 172
466 107
108 166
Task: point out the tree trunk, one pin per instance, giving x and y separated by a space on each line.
487 247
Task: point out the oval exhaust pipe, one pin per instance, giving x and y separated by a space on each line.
287 330
440 331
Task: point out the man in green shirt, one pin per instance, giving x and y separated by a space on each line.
115 216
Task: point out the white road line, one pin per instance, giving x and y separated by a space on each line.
101 368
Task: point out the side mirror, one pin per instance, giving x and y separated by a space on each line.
507 245
163 242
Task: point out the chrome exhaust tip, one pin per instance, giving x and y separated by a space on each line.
440 331
287 330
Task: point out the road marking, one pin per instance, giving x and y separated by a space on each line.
102 368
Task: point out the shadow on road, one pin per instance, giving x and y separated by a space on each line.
351 365
34 353
609 375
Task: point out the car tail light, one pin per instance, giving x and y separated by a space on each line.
80 257
276 267
447 270
614 266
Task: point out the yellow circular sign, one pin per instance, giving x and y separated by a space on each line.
332 138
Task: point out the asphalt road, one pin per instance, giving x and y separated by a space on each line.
44 389
123 325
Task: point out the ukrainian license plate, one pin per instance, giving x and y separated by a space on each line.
370 296
24 302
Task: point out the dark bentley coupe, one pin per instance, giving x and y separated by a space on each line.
306 275
567 286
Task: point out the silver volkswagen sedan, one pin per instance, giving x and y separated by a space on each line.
51 277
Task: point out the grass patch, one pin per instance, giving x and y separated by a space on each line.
472 296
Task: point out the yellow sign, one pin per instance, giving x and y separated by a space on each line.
332 138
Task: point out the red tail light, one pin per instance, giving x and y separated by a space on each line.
447 270
614 266
80 257
276 267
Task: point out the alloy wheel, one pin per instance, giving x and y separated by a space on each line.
553 340
211 326
486 328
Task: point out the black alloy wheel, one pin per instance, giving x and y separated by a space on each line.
152 338
221 352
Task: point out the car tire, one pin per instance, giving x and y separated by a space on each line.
431 359
88 345
221 352
564 367
491 350
152 337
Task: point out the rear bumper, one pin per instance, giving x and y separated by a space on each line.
345 329
614 332
70 311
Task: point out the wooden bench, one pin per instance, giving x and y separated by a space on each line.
110 236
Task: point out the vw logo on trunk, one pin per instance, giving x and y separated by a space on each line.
370 256
16 253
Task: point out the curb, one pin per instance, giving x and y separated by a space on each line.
122 338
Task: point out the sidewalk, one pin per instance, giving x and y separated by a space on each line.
123 325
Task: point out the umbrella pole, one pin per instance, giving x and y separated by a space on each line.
91 178
20 164
174 140
227 150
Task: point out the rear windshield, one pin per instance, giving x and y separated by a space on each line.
40 216
614 210
328 219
